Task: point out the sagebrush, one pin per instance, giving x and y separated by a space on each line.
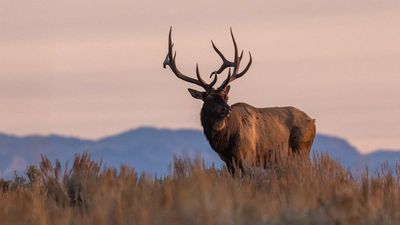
317 192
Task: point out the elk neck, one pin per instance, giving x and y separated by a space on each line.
217 130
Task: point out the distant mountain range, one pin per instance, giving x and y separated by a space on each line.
151 150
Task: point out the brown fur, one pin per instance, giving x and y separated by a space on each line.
243 135
252 135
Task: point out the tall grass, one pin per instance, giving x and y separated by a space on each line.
316 192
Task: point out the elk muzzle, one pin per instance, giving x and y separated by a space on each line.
226 111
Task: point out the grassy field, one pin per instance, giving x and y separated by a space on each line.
320 192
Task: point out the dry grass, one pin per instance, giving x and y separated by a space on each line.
320 192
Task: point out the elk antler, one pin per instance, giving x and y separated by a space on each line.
227 64
170 61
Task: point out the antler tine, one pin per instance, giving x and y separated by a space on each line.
235 64
225 63
170 61
210 85
226 81
235 76
214 81
199 77
236 60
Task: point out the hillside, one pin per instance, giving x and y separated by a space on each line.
151 150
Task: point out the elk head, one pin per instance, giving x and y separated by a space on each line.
215 99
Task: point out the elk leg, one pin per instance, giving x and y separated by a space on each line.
230 167
235 168
294 139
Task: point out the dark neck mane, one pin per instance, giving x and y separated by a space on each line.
217 137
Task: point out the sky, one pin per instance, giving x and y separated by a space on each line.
94 68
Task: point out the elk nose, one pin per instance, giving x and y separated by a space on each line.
227 110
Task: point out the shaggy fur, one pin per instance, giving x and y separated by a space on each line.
250 136
241 134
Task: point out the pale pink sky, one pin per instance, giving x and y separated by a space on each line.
94 68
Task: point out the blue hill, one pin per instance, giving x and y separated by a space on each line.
151 150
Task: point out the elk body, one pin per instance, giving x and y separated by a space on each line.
243 135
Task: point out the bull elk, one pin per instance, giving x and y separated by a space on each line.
241 134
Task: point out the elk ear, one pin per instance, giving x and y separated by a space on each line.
226 89
196 94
